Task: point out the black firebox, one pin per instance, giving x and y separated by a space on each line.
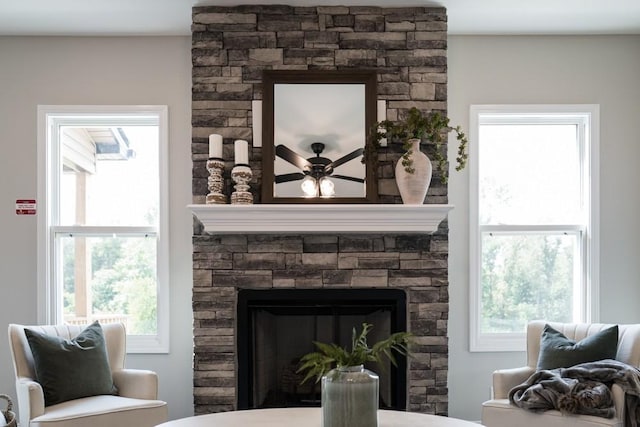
277 326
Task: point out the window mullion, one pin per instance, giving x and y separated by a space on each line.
522 229
584 168
55 167
580 310
106 230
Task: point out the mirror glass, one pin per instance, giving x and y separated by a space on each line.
334 118
316 131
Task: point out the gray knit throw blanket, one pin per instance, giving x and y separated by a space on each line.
581 389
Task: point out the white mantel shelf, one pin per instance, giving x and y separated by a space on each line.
320 218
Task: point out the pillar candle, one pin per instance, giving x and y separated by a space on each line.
215 146
242 152
382 116
256 118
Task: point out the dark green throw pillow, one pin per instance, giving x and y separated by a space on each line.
558 351
71 369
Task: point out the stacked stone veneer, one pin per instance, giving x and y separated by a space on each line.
231 48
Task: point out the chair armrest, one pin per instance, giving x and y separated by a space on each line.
136 383
618 401
30 400
505 379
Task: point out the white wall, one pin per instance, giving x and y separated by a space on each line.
546 70
482 70
140 70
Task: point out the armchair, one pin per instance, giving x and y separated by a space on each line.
499 412
135 405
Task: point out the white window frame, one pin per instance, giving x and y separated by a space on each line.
50 118
588 116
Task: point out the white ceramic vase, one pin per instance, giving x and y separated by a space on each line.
350 397
413 186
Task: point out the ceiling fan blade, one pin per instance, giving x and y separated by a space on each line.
289 177
348 178
292 157
344 159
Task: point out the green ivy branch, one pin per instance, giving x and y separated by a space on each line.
433 127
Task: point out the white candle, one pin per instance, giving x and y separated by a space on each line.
215 146
256 117
381 117
242 152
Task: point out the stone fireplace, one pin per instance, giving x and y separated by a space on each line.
231 47
416 264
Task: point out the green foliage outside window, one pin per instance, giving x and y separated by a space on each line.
525 277
122 281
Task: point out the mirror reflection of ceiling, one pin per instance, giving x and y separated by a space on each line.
333 114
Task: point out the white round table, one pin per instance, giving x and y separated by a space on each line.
309 417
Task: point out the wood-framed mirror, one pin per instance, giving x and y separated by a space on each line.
315 126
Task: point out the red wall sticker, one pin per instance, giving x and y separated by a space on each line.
25 207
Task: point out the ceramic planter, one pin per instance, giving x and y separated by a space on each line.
413 186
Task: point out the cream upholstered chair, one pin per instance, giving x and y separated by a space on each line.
499 412
136 404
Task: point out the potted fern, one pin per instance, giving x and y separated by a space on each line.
413 171
350 392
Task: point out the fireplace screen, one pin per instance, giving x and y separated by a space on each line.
277 327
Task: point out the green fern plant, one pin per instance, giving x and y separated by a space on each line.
329 356
432 127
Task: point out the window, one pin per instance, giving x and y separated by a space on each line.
533 220
102 237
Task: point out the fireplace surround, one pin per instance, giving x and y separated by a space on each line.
226 264
231 46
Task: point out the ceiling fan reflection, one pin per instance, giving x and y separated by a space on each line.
317 167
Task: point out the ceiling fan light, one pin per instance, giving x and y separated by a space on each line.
309 187
327 187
